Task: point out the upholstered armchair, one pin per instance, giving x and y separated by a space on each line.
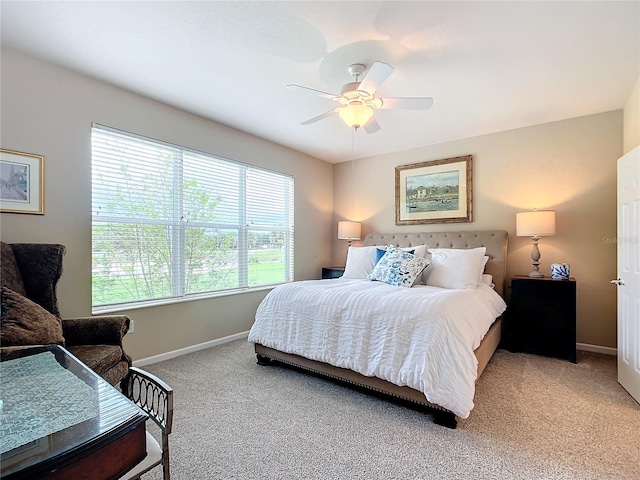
30 315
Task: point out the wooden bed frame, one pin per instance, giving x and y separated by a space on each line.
495 241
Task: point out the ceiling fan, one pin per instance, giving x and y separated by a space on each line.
357 98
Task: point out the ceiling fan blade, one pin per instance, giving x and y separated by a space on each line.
318 92
375 77
320 117
408 103
372 126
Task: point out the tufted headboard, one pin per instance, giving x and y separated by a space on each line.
495 241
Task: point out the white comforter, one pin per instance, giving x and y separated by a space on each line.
422 337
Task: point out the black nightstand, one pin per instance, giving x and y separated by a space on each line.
332 272
541 317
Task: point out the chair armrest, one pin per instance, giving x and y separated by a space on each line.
13 352
40 265
103 330
152 395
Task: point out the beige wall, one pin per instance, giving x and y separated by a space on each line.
48 111
632 119
568 166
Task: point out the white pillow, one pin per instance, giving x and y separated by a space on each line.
456 268
485 259
399 268
419 250
360 262
488 280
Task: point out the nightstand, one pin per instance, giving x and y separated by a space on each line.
541 317
332 272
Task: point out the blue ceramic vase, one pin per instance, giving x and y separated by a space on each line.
560 270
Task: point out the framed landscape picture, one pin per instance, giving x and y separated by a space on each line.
21 182
434 192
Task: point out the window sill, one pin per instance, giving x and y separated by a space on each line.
170 301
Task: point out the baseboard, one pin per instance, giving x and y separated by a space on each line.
193 348
597 349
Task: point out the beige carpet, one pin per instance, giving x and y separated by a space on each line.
535 418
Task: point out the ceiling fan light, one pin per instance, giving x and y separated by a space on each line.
356 115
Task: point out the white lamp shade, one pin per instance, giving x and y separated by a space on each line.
536 224
355 115
349 230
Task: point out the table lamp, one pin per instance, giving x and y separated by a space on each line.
536 224
349 231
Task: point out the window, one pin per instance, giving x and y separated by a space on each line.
170 223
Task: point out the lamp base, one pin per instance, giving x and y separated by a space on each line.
535 256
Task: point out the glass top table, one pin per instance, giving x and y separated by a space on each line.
59 419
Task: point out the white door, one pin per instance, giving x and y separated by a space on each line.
629 272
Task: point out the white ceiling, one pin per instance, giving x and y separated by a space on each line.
490 66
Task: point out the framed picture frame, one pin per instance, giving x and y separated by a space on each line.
439 191
21 182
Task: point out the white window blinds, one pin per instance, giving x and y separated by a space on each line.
168 222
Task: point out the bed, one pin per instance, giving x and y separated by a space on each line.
425 346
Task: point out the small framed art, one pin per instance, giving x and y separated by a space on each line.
21 182
439 191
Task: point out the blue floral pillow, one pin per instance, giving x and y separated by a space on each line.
399 268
